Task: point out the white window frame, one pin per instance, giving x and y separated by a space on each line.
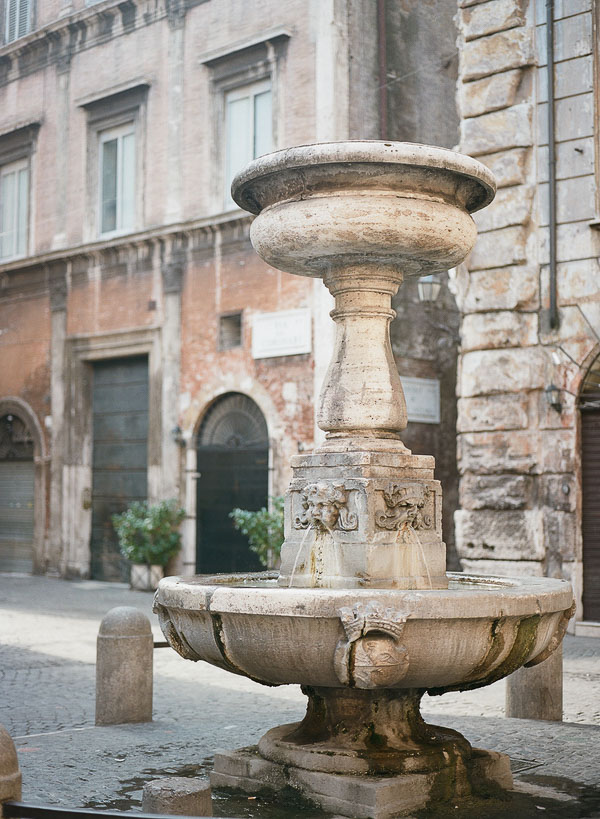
16 167
22 19
247 91
107 135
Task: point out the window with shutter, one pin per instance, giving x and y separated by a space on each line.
248 129
117 179
14 209
17 15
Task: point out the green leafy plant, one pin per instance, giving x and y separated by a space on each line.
263 528
149 533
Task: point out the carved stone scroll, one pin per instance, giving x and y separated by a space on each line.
371 655
407 505
325 506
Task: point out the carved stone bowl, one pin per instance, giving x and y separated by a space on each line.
475 632
365 657
337 204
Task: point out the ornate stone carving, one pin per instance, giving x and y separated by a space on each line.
371 655
325 505
406 506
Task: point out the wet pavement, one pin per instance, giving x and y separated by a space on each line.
48 634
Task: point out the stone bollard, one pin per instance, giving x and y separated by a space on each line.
178 795
537 692
124 652
10 775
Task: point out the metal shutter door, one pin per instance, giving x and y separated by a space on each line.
16 515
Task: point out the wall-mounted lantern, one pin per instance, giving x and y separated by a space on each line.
177 436
429 288
552 393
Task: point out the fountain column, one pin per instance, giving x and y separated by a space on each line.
362 395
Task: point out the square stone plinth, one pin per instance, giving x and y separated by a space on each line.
363 519
361 797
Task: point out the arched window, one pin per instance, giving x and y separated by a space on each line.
589 404
233 462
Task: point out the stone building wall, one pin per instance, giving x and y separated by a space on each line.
519 458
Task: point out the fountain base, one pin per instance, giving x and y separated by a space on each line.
361 753
351 730
486 773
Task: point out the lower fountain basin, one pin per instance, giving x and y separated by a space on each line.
475 632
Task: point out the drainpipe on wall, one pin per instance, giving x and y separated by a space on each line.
382 61
553 311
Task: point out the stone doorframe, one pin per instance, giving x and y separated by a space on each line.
12 405
81 352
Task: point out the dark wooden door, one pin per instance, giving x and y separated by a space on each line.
590 467
233 463
229 478
120 455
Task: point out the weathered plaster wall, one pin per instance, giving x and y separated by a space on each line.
519 458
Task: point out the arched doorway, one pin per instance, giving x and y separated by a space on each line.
17 490
233 463
589 405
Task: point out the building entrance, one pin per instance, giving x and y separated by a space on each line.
16 495
589 404
120 456
233 462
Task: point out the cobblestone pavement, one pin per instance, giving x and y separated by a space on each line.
48 634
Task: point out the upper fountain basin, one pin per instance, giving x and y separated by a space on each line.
363 203
476 631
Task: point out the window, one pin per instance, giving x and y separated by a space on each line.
246 90
230 331
116 131
17 19
117 179
248 128
14 209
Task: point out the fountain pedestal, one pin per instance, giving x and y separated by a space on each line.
363 614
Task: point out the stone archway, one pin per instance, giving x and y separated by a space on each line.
589 406
233 464
21 488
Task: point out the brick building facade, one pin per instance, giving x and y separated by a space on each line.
145 348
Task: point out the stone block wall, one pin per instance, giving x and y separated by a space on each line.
519 459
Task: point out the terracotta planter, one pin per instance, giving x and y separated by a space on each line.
145 578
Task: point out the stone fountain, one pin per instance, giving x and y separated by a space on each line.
363 614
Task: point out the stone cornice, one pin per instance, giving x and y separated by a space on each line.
233 220
58 41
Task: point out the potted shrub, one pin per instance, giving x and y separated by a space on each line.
264 530
148 537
